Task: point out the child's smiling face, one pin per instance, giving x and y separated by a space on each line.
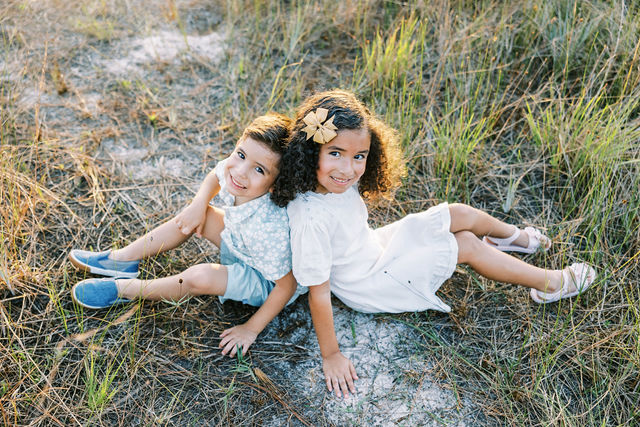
250 170
343 160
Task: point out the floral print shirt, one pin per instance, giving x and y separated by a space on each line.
256 232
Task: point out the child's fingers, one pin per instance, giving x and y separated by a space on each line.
328 381
223 343
225 340
344 386
336 386
227 348
352 369
238 346
349 384
230 348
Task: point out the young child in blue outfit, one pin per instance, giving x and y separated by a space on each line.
251 232
339 153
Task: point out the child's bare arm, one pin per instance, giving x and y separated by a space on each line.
244 335
339 372
193 216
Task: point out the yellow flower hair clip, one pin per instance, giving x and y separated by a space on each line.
316 129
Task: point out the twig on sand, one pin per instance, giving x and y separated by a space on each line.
276 394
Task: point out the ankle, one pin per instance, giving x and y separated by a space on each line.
554 281
123 285
504 232
523 238
120 255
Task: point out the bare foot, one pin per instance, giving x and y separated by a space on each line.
522 240
554 282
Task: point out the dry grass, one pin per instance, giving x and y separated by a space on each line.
526 109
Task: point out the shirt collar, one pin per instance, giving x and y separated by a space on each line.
243 211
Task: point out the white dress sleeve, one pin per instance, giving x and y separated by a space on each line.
310 246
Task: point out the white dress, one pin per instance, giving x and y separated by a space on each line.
393 269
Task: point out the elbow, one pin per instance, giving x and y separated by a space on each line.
287 284
319 294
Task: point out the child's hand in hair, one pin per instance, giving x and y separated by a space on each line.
339 374
237 336
192 218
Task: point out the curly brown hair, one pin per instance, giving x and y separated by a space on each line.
272 129
299 162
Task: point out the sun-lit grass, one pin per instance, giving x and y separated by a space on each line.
528 109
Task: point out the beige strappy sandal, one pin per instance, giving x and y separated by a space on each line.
581 275
536 240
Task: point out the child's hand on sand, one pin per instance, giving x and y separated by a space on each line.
192 218
237 336
339 374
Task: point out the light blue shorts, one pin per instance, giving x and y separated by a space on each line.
245 283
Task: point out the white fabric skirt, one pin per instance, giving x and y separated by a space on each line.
419 254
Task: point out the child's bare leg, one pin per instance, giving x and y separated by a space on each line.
168 236
496 265
201 279
465 217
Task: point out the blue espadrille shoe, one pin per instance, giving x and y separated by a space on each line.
99 263
97 293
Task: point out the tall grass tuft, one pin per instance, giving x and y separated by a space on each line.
591 148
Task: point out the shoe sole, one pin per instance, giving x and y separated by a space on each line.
100 271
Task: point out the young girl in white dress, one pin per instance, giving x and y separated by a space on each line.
337 154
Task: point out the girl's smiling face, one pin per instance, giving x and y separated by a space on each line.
343 160
250 170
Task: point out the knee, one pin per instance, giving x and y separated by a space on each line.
460 211
468 246
462 216
197 279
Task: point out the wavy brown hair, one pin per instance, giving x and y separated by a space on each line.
272 130
299 162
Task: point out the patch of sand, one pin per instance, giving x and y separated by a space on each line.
388 393
137 162
394 388
10 71
166 46
31 97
